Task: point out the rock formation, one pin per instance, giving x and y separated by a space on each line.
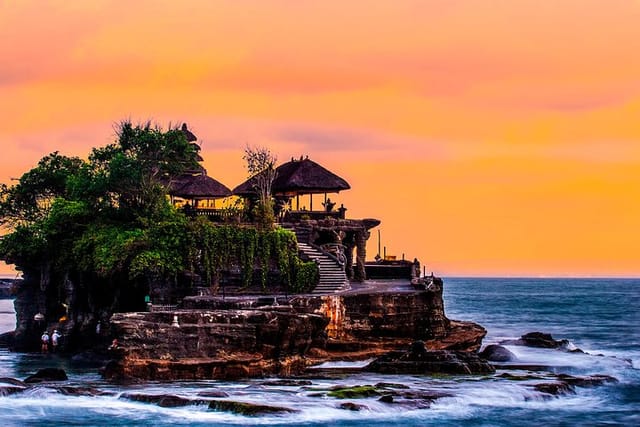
212 337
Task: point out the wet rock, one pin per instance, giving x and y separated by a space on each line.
7 339
9 390
497 353
350 406
588 381
213 393
524 367
425 395
163 400
287 383
555 388
387 398
82 391
512 377
90 358
247 409
354 392
392 385
12 381
538 340
420 361
414 399
47 375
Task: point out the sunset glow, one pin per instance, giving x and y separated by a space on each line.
490 138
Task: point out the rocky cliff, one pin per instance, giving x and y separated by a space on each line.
213 337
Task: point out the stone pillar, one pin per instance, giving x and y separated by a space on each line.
348 254
361 254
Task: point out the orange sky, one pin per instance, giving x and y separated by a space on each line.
490 137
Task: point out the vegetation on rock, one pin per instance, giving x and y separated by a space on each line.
97 234
354 392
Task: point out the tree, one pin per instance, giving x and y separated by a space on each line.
136 170
261 167
31 198
107 219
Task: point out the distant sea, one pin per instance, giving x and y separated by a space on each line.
599 316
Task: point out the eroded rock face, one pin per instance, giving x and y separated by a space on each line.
384 315
243 337
226 344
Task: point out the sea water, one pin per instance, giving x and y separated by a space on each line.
599 316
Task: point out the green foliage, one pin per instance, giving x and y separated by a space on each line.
134 171
307 276
25 247
109 219
30 199
227 247
354 392
107 249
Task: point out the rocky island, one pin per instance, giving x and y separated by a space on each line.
127 255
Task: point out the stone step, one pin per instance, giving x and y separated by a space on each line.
332 275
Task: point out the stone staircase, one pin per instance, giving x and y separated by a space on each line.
332 275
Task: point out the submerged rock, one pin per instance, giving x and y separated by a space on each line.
418 360
82 391
497 353
9 390
213 393
162 400
350 406
354 392
47 375
7 339
286 383
247 409
387 398
555 388
587 381
392 385
12 381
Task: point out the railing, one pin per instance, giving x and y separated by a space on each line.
217 215
296 216
335 251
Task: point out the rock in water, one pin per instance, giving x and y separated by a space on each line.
47 375
497 353
555 388
163 400
350 406
7 339
247 409
418 360
538 340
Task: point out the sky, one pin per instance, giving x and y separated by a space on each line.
490 137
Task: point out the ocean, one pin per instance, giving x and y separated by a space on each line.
599 316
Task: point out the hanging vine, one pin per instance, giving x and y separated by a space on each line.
218 248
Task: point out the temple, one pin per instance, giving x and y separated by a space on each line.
324 233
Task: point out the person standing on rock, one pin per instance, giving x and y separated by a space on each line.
55 340
44 340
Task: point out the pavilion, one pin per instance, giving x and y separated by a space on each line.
194 188
298 178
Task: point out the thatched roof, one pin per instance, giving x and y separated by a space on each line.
198 186
299 177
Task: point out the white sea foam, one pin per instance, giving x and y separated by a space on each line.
343 364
